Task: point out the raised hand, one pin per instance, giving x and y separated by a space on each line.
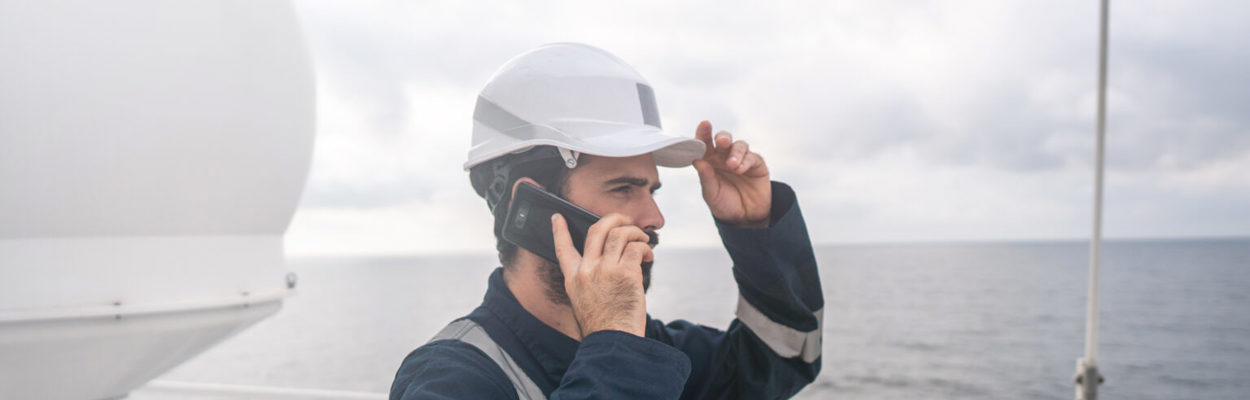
734 179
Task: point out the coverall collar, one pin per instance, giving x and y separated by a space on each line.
553 350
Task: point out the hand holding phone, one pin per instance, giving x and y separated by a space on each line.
605 281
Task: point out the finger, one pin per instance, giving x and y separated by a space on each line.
736 154
565 252
634 255
650 256
703 132
619 238
745 165
707 177
753 162
598 233
723 139
613 245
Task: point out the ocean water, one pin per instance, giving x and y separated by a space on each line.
902 321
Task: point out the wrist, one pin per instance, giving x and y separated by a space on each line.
639 330
760 223
592 326
744 223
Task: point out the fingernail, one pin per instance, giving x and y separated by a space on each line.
553 217
733 159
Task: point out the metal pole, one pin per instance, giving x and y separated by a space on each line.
1087 378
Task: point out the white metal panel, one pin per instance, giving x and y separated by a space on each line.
71 276
98 358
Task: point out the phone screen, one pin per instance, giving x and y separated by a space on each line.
528 223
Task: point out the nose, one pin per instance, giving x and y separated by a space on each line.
649 217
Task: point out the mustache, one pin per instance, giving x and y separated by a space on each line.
655 239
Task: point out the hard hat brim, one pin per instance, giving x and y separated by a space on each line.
605 140
617 140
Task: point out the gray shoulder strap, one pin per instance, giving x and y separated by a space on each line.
470 332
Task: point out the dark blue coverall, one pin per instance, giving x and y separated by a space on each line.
770 351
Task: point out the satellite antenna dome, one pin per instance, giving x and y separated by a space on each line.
152 155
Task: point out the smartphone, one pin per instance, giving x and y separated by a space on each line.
528 224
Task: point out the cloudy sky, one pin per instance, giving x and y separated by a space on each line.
893 120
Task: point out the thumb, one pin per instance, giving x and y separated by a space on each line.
565 252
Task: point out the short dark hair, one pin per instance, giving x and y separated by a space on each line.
541 163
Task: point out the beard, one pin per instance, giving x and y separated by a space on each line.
553 277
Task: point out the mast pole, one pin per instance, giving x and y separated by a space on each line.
1088 378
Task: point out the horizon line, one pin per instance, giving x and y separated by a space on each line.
917 242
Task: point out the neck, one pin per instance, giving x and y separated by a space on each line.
524 280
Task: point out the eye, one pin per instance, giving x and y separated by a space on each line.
622 189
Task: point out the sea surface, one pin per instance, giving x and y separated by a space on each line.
902 321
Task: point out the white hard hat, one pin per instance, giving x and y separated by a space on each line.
577 98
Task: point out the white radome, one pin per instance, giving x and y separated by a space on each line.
152 154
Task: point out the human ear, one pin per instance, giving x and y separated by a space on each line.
525 179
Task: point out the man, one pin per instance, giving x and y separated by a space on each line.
583 125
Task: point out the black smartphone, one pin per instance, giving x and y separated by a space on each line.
528 223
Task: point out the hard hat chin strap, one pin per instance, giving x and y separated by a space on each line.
569 156
498 184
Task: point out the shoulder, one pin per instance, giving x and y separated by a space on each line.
450 369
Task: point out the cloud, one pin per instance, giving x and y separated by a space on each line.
895 120
1180 107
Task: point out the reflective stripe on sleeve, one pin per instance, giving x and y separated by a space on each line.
785 341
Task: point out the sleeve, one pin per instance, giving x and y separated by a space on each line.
450 370
619 365
773 348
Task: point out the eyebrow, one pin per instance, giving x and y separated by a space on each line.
632 180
